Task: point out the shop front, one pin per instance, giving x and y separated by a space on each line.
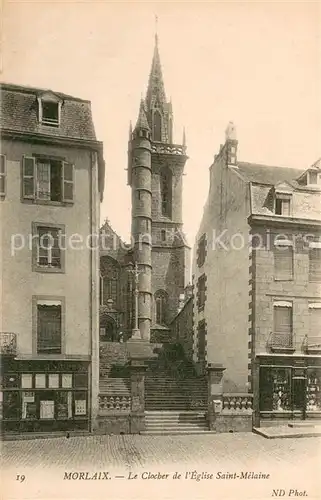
44 396
289 389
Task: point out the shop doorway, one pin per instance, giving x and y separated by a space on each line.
299 397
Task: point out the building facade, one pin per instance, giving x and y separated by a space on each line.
256 270
52 178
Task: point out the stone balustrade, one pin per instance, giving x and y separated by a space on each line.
237 403
114 403
171 149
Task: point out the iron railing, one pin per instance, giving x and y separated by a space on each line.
280 340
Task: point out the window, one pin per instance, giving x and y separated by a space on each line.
201 251
201 341
163 234
157 126
49 110
2 176
49 327
161 300
275 389
315 321
283 206
166 192
109 270
282 327
283 261
47 180
201 292
313 177
315 261
48 254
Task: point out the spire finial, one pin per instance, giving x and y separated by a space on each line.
156 29
184 137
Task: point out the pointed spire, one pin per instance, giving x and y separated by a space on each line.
142 122
184 137
155 89
130 130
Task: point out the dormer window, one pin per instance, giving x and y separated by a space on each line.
283 205
49 110
313 178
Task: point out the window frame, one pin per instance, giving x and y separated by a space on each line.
32 197
313 276
45 121
4 176
47 269
42 298
161 297
283 198
280 246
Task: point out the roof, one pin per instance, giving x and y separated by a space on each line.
265 174
19 112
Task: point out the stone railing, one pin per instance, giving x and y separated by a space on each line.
114 403
170 149
8 343
237 403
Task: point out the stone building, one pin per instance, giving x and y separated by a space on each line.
52 180
257 286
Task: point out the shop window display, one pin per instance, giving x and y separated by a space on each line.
275 389
313 392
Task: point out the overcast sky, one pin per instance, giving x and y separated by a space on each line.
255 63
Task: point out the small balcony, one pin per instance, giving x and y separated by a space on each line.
312 344
281 342
8 343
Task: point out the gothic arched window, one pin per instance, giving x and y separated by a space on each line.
157 126
166 192
161 299
109 272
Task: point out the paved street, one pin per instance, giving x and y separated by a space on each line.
290 464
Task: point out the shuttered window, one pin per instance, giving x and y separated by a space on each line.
315 321
49 328
47 179
282 319
283 263
314 264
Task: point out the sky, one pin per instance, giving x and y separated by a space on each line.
257 64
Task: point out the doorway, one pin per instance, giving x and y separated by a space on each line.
299 397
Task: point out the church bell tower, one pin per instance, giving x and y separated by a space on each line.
155 171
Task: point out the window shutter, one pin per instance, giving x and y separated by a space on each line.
315 322
2 175
283 263
68 182
314 264
282 319
28 177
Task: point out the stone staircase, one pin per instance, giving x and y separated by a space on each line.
163 392
175 396
175 422
114 379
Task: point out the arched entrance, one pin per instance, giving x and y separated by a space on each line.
107 328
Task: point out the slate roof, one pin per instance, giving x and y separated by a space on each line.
19 112
264 174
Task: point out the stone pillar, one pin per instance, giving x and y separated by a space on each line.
256 392
137 383
215 390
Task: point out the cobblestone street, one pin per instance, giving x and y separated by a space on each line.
291 464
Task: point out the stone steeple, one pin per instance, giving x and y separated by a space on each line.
158 110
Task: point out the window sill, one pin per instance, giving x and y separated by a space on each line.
282 350
44 269
30 201
283 279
